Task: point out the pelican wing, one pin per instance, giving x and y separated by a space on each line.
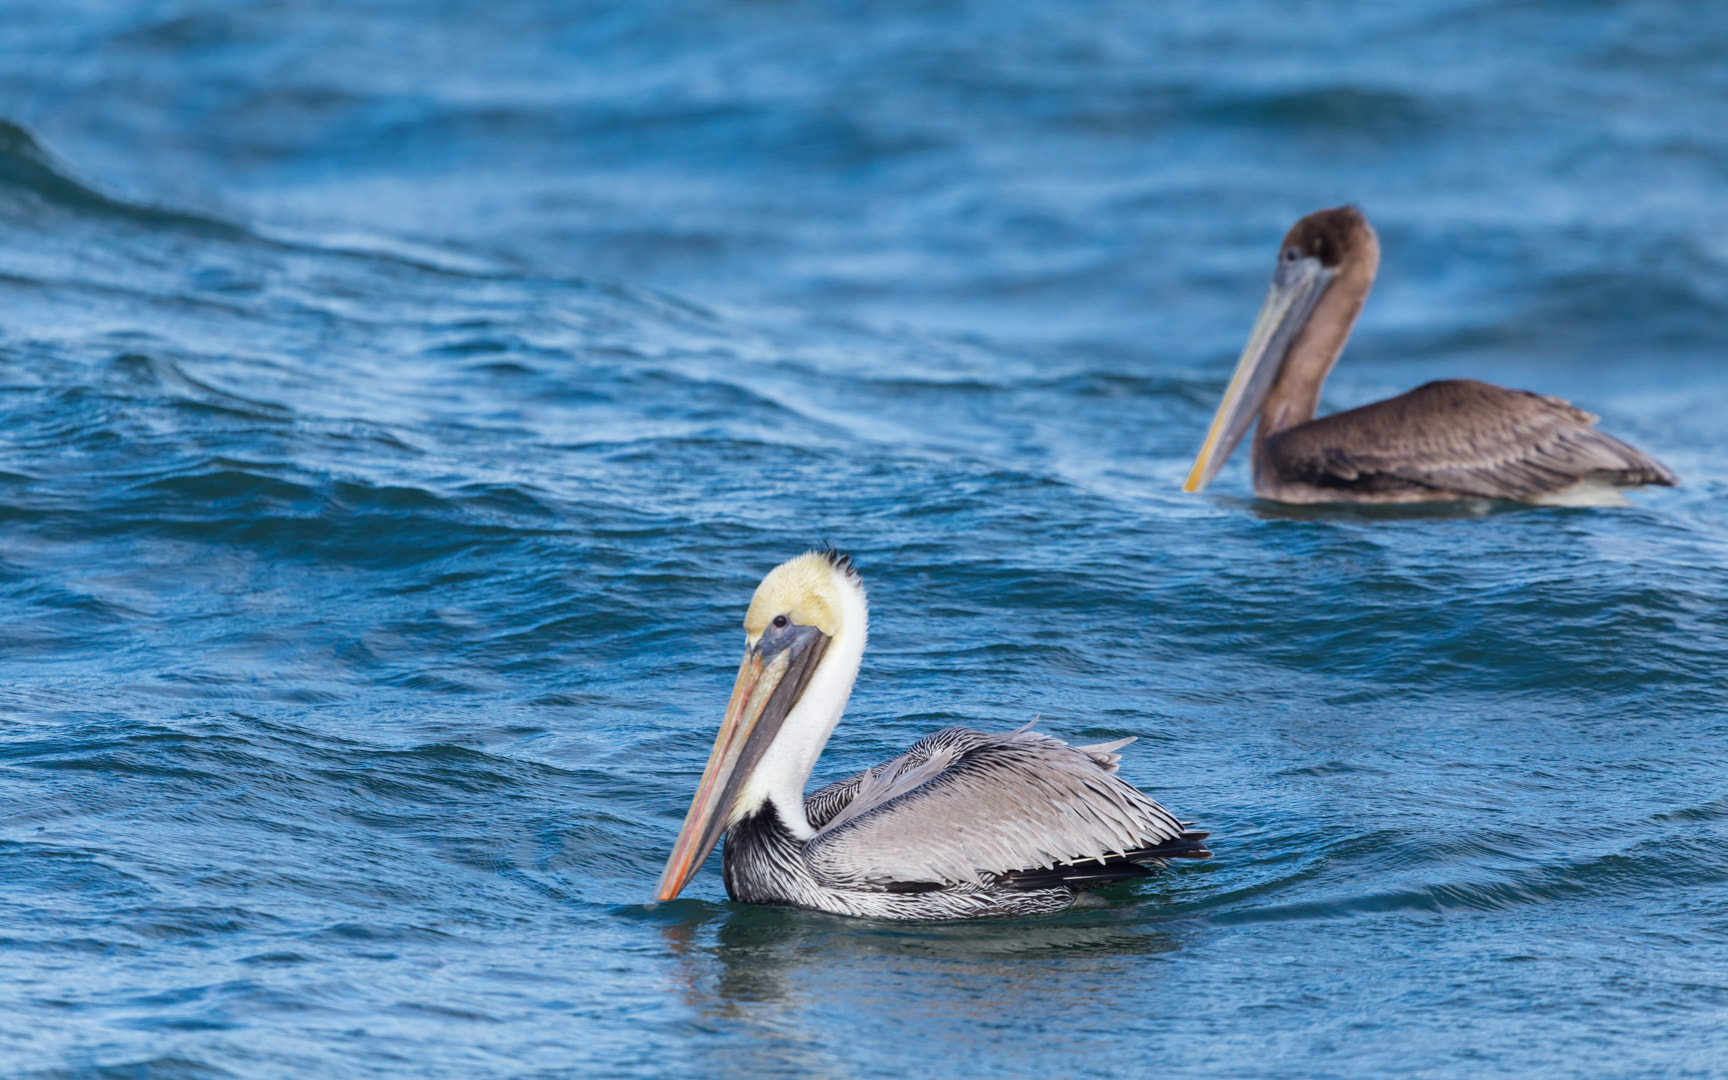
822 805
1460 436
963 806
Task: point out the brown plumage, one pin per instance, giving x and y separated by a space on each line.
1457 438
1448 440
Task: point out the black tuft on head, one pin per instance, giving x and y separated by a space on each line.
837 560
1328 235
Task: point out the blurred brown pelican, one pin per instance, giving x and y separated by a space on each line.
962 824
1447 440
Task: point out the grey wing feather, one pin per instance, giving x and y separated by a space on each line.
1105 754
824 804
974 805
821 805
1463 436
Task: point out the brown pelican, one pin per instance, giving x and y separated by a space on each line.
1447 440
962 824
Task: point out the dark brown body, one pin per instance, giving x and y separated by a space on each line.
1450 440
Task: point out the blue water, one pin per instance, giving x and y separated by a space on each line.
399 402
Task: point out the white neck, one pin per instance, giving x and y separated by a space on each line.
785 767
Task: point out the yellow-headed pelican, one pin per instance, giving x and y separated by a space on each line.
1444 441
963 824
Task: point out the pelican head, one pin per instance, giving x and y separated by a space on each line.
1325 267
803 640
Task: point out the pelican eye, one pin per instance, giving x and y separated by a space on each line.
781 622
1291 254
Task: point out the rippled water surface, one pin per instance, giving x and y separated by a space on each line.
399 402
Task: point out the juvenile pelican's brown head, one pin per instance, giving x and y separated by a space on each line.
1337 237
806 623
1326 265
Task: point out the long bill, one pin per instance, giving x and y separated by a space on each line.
770 681
1295 290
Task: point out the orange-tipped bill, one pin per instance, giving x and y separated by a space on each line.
1295 290
761 698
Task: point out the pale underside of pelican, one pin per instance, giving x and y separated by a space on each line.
963 824
1444 441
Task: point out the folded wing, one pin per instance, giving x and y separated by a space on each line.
965 807
1461 436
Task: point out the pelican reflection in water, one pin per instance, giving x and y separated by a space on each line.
962 824
1448 440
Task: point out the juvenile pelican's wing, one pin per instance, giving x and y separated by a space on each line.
1460 436
965 807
